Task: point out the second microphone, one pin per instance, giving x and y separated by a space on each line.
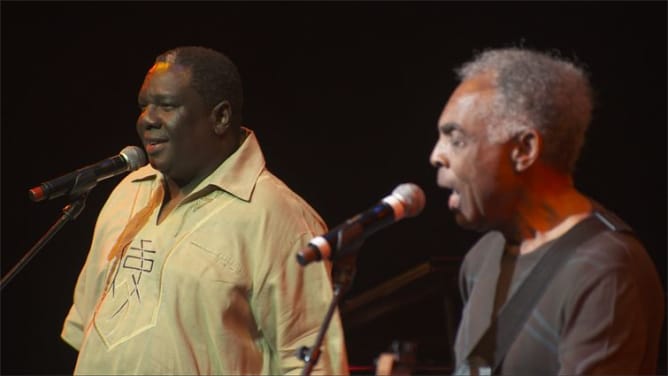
407 200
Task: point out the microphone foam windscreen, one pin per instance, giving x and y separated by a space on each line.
412 196
135 157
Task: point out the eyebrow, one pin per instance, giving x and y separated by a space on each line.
162 97
156 97
448 128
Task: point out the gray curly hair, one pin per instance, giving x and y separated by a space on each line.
540 91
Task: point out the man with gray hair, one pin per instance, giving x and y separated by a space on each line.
558 284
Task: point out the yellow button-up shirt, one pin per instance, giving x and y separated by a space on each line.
213 289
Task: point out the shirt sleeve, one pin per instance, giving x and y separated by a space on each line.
291 307
86 292
84 300
72 332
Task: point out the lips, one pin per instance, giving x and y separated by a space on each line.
154 145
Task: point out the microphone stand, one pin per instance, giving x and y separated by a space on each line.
343 272
70 212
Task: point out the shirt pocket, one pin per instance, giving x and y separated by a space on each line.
203 256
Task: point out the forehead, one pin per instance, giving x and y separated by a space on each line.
167 66
469 102
166 76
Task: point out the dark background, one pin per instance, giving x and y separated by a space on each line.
344 98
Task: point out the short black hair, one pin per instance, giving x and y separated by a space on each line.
214 76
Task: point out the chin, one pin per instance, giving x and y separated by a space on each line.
162 167
470 223
155 164
462 221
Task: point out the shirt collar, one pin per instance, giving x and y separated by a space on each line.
237 175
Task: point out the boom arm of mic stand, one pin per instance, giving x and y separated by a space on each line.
343 273
70 213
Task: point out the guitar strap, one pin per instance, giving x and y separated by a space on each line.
516 311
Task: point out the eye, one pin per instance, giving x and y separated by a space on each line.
457 142
452 135
168 106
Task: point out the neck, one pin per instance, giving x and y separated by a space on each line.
549 208
178 188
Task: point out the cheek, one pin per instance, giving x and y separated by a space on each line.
481 192
177 126
490 191
477 187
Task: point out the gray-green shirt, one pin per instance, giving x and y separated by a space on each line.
215 288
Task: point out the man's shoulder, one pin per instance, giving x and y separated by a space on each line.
616 245
276 199
609 249
615 253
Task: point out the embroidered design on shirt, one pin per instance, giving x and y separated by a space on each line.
142 262
137 261
130 304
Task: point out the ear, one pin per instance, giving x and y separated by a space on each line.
527 148
222 117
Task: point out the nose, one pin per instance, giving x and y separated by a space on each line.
438 157
148 118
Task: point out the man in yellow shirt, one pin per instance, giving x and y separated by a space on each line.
192 267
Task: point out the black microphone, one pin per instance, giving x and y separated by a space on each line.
84 179
407 200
